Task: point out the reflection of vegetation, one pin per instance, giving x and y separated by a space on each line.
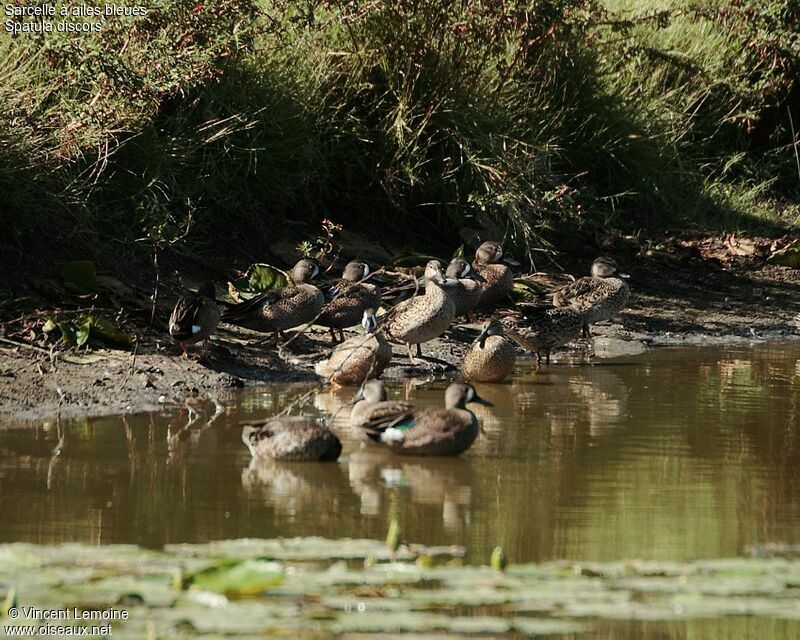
350 586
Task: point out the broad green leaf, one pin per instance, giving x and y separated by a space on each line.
49 326
82 274
248 578
260 278
105 330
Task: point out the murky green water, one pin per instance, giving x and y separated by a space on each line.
676 454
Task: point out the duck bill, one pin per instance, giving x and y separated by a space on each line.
510 261
623 275
475 276
481 339
479 400
357 398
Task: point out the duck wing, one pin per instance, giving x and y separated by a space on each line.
252 307
184 321
386 415
578 289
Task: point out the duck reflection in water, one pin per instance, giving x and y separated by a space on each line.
444 483
294 488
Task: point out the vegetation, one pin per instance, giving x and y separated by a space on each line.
214 128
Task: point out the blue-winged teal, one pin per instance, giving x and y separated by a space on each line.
281 309
426 317
370 405
498 278
431 432
358 358
491 357
296 438
542 329
195 317
467 292
598 297
348 298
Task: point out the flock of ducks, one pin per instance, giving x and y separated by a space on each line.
422 311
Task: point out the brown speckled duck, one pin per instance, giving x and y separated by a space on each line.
491 357
425 317
194 318
431 432
348 298
358 358
466 292
598 297
281 309
293 438
542 329
371 405
498 278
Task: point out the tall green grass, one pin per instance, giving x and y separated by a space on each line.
218 127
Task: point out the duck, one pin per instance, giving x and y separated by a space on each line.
498 279
291 438
371 404
194 318
281 309
359 358
541 329
491 357
467 291
598 297
424 317
348 299
431 432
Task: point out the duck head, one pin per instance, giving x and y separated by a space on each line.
491 252
605 267
435 273
355 271
491 327
460 269
459 394
373 391
305 271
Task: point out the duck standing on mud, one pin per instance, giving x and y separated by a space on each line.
349 298
498 279
598 297
542 329
430 432
194 318
425 317
281 309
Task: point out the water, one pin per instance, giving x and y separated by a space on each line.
675 454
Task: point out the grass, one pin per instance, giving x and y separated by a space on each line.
217 128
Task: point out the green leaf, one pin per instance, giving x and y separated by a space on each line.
83 329
260 278
81 274
247 578
49 326
105 330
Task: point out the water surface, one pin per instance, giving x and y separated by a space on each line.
675 454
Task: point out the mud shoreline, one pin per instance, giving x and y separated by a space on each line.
673 305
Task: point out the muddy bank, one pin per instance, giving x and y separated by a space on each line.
671 304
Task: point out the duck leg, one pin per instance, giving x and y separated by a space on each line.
547 356
341 335
411 355
333 334
586 334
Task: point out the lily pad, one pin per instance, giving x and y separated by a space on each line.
248 578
